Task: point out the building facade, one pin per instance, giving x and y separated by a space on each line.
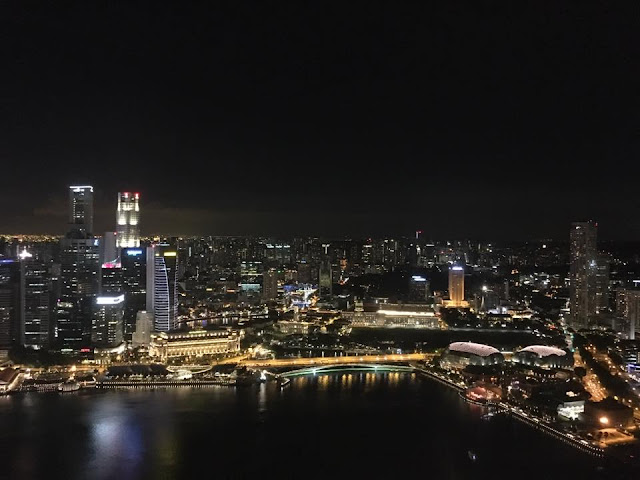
128 220
583 274
162 286
456 285
107 328
194 343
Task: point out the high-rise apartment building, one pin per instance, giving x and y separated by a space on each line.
128 220
583 274
162 286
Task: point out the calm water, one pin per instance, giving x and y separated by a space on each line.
334 426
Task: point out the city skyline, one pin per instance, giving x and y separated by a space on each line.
365 121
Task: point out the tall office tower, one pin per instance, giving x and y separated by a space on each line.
134 280
602 284
325 277
419 290
456 285
162 286
582 273
79 275
8 304
81 210
107 327
128 219
270 284
632 311
144 326
80 282
35 303
112 282
109 252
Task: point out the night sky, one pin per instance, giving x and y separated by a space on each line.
354 118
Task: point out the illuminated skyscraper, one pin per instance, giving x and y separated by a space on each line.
80 273
134 279
81 210
80 278
583 274
419 290
107 327
456 285
162 286
35 302
127 220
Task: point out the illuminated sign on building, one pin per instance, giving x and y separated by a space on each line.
110 300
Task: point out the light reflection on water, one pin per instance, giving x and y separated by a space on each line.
238 432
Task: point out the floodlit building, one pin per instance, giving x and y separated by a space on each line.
194 343
460 354
128 220
409 315
456 286
544 356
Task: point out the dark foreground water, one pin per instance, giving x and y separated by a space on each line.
333 426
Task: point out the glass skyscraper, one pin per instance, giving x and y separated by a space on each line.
162 286
127 220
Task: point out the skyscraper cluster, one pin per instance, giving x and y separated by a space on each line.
89 291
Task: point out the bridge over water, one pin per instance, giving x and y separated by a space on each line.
346 360
350 367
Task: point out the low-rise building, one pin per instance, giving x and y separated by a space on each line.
460 354
194 343
411 315
544 356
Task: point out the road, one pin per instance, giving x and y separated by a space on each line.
290 362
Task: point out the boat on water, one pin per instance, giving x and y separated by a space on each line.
68 387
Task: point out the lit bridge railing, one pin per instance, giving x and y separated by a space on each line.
347 367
